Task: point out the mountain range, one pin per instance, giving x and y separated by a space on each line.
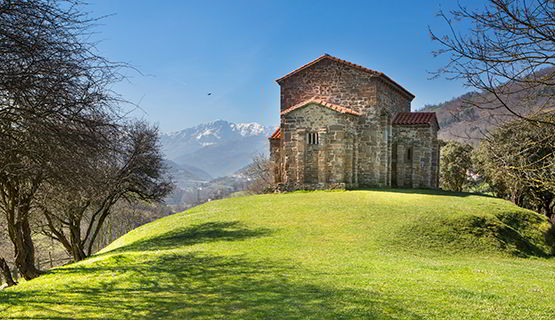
214 149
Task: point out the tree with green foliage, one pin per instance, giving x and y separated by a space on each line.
455 161
518 161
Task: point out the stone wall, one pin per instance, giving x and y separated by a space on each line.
275 158
331 162
391 99
342 85
354 151
415 156
373 165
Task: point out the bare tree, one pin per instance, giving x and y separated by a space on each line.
508 54
260 173
130 170
54 107
126 216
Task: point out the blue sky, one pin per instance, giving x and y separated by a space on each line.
236 49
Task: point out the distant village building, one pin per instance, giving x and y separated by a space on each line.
346 126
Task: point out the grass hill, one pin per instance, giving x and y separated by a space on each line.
369 254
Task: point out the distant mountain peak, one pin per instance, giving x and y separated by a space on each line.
249 129
218 147
217 127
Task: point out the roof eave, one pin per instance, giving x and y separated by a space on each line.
398 86
325 104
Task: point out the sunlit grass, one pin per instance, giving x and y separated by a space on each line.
372 254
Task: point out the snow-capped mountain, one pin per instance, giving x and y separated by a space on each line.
220 147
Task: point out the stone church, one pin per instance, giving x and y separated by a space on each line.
346 126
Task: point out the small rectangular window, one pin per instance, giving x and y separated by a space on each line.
313 138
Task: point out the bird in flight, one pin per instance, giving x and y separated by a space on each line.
209 93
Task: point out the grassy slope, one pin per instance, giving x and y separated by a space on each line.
319 255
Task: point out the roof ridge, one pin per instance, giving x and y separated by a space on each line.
345 62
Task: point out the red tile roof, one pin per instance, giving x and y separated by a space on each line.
356 66
276 134
323 103
415 118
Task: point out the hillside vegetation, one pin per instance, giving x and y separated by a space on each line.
460 120
369 254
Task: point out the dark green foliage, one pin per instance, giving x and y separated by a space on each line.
454 164
517 161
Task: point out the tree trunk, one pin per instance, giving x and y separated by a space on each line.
72 243
78 253
516 198
77 247
16 197
549 206
5 269
20 234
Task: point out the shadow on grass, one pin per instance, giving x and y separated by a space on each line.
195 286
195 234
503 233
435 192
508 237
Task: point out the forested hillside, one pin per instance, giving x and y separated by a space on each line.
468 117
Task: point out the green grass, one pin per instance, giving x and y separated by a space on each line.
369 254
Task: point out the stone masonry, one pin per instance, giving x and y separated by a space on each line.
346 126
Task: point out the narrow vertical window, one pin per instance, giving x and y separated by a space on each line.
313 138
409 154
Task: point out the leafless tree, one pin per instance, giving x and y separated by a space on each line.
260 173
130 170
127 216
55 107
508 55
